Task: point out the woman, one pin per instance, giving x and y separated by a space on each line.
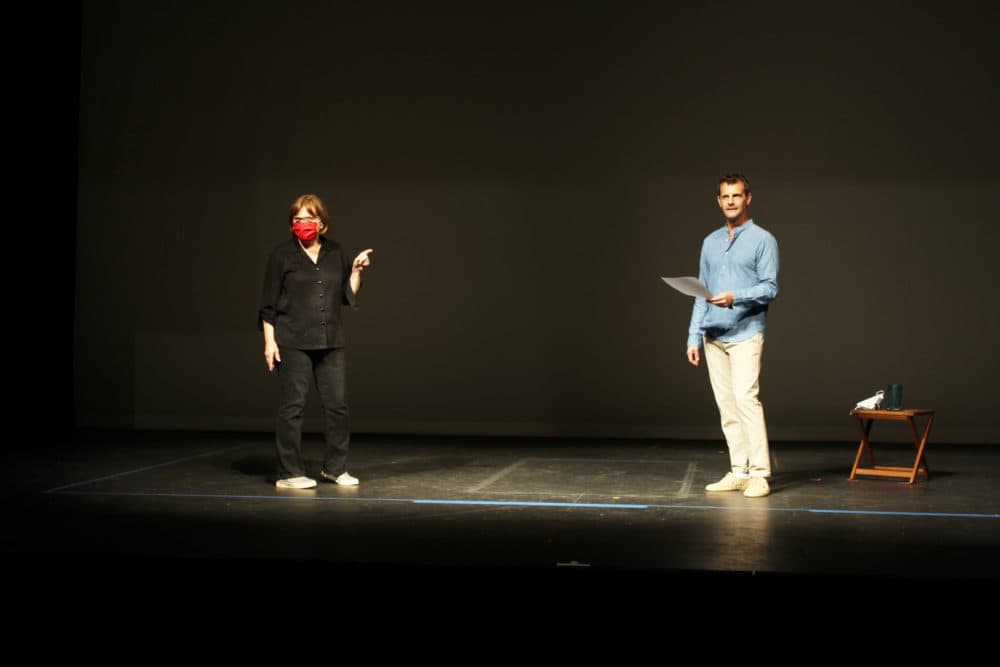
308 279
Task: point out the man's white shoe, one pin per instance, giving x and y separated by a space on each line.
757 488
730 482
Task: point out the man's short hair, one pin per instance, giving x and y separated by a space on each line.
732 179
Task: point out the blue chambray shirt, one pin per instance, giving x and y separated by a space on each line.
747 267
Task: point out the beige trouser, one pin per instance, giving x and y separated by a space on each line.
734 369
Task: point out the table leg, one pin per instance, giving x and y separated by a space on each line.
921 443
864 427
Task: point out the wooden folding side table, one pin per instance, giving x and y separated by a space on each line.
868 417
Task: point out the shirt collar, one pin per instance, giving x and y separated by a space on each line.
739 230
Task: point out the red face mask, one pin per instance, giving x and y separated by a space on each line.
306 231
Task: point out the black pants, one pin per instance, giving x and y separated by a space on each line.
298 369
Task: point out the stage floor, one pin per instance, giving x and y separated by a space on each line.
443 504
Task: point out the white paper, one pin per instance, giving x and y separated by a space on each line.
688 285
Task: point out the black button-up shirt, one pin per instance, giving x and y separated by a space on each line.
303 299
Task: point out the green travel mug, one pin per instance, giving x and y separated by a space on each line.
894 397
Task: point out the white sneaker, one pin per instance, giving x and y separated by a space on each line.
730 482
757 488
296 483
344 478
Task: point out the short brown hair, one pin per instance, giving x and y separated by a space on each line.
732 179
315 206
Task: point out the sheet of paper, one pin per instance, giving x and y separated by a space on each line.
688 285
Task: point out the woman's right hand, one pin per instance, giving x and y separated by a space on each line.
272 356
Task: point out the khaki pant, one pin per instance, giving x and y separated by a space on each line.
734 370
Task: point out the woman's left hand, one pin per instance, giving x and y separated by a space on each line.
362 261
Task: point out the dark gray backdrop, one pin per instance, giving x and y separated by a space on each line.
525 173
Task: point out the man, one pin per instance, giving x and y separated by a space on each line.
739 265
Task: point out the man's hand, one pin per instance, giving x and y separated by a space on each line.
722 299
694 355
